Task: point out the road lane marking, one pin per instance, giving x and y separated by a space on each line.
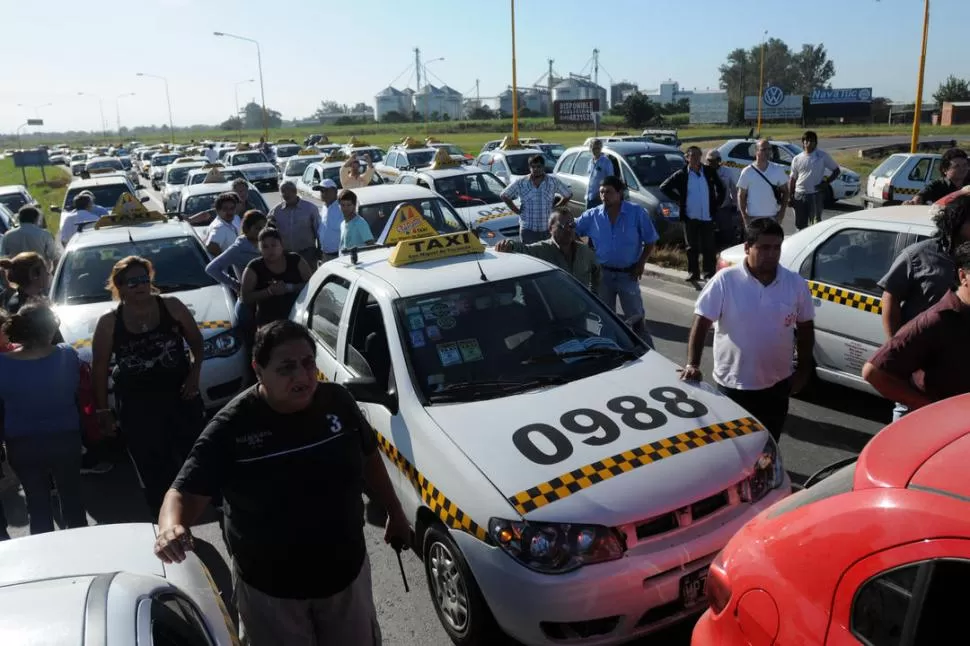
673 298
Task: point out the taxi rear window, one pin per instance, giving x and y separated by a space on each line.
889 166
249 158
105 195
436 211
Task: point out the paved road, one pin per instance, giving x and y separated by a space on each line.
846 143
829 424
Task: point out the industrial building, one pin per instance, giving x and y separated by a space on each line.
619 92
430 99
669 92
575 87
955 113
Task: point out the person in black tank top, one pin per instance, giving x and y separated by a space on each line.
156 382
272 282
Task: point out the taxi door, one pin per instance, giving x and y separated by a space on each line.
910 594
327 314
842 268
914 177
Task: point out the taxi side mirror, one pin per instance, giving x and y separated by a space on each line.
54 208
367 391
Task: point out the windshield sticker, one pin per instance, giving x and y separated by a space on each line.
417 338
594 324
449 354
415 322
440 309
470 350
412 310
447 322
433 332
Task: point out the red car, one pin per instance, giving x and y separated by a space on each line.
877 553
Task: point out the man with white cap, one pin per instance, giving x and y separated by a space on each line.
330 218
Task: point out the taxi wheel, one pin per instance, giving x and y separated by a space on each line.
461 608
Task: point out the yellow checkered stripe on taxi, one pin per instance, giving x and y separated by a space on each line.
204 325
493 216
905 191
443 508
846 297
569 483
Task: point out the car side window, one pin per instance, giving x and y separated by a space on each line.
368 354
176 622
308 177
935 173
483 161
327 309
407 179
566 165
743 151
423 184
582 163
881 604
781 155
855 259
629 178
921 171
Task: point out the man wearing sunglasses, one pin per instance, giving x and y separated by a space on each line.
562 249
537 193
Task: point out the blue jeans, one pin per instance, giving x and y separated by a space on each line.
528 236
619 285
36 459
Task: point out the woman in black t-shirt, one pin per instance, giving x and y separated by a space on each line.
156 385
272 282
276 453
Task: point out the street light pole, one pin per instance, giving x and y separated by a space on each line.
104 124
761 85
259 62
168 100
918 109
515 85
35 108
235 90
118 111
426 91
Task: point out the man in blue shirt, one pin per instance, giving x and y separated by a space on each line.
599 168
330 219
354 230
623 237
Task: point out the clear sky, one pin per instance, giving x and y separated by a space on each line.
347 50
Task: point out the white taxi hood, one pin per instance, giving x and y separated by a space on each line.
494 217
493 434
209 306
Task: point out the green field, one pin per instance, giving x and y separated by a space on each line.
47 193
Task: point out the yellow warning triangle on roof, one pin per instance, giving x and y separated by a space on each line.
406 222
128 210
214 176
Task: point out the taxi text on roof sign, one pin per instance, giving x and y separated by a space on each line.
436 247
406 223
129 210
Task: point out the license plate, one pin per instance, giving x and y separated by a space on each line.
692 588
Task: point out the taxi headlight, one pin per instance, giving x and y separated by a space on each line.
849 179
669 210
555 548
768 473
220 345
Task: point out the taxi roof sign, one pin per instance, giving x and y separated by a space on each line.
357 143
620 133
335 156
448 245
406 222
128 210
431 140
509 143
214 176
184 160
443 160
308 151
410 143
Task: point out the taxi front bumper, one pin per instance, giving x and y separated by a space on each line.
222 378
605 603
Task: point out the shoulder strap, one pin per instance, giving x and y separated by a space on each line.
762 175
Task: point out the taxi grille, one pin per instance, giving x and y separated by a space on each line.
674 519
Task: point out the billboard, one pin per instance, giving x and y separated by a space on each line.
578 111
709 107
841 95
775 105
24 158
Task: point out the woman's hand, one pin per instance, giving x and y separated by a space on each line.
172 544
190 389
276 288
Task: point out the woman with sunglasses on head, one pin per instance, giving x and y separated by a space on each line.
156 383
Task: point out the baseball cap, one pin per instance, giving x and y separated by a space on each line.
325 184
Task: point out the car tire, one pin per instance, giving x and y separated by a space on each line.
449 581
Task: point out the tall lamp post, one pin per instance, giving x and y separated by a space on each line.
515 85
426 92
35 108
118 110
918 108
104 124
168 100
235 91
761 85
259 62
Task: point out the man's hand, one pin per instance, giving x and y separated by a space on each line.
690 373
276 288
638 269
914 201
397 528
172 544
504 245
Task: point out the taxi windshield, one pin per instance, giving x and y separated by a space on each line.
105 163
476 189
178 175
106 195
518 164
435 210
288 150
422 158
179 266
496 338
228 175
375 154
653 168
163 160
248 158
297 165
452 149
13 201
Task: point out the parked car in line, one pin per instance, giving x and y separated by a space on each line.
900 177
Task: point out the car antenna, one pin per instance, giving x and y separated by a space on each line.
480 270
353 255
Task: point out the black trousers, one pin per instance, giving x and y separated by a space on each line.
769 405
159 430
699 240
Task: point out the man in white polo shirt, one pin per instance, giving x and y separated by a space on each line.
762 187
759 309
811 170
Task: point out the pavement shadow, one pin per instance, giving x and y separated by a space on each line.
819 433
116 496
847 401
673 332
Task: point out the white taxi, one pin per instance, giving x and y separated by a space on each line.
738 153
408 155
102 586
900 178
508 161
360 148
156 167
292 168
79 295
256 167
843 258
473 192
327 168
563 485
175 178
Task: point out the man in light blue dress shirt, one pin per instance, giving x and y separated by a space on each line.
600 167
331 218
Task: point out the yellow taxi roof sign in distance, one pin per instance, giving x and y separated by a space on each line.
509 143
323 140
242 146
410 142
443 160
308 151
214 176
406 222
431 140
335 156
128 210
217 164
184 160
448 245
356 143
620 133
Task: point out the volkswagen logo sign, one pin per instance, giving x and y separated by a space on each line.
865 94
773 96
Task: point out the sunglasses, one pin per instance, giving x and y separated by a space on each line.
135 281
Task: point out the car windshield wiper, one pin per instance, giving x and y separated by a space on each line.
177 287
85 298
580 354
475 390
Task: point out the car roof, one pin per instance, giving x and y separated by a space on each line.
12 188
101 180
91 237
905 214
511 152
47 611
403 149
421 278
102 158
204 188
451 171
632 147
380 193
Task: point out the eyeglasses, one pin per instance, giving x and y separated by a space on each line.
536 166
568 227
135 281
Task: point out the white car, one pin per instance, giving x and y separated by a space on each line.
78 162
156 167
475 195
104 164
738 153
407 156
79 296
102 586
284 150
257 169
293 167
14 196
176 176
508 163
900 177
562 483
843 258
318 171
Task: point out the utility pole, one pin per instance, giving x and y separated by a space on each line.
918 108
596 66
417 71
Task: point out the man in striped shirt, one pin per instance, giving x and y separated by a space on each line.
537 193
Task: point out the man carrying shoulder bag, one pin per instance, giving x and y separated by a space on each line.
762 188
